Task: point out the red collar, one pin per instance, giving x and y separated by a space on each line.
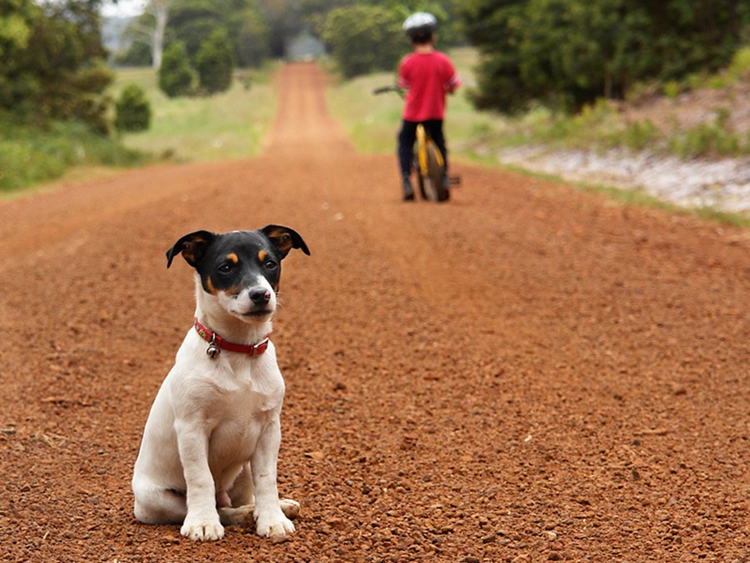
217 343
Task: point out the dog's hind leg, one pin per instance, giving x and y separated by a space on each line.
242 491
240 516
243 515
243 500
290 508
159 506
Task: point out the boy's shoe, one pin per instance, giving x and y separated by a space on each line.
446 182
408 190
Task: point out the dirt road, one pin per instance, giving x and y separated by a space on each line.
528 373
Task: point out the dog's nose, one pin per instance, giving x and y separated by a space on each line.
260 296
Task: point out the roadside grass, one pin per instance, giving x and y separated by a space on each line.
229 125
30 156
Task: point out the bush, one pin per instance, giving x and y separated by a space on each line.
214 63
640 134
717 138
175 75
133 110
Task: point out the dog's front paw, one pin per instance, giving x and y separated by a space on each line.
273 524
202 529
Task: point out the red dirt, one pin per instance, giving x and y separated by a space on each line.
527 373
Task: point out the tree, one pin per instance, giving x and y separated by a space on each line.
150 29
214 63
192 21
133 110
364 39
16 20
55 65
568 53
251 38
285 20
175 74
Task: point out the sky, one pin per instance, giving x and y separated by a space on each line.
123 8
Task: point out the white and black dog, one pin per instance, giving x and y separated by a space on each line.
210 446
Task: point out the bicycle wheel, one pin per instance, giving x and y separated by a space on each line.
433 180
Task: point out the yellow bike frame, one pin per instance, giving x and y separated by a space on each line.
422 150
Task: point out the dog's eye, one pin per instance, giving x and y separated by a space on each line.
270 264
225 268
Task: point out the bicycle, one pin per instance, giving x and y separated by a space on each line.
428 161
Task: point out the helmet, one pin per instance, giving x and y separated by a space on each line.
420 24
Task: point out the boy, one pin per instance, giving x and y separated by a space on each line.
427 75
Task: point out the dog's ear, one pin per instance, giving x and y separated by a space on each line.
192 247
284 239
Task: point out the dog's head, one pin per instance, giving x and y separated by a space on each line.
240 269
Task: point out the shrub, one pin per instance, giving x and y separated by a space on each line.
214 63
175 75
640 134
672 89
704 139
133 110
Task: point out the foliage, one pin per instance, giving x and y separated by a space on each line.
251 38
16 20
566 53
175 75
29 156
133 110
193 21
364 39
55 64
716 138
286 19
214 63
138 54
315 12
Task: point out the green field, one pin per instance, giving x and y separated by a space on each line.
224 126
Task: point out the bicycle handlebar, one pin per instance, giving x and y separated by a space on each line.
389 88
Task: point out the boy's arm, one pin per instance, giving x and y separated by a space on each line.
453 83
403 80
454 80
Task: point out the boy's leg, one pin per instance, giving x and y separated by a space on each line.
406 137
435 129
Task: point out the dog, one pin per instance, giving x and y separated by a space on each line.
210 445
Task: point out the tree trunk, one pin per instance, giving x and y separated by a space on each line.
161 13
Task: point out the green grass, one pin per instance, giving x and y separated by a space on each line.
226 126
30 156
229 125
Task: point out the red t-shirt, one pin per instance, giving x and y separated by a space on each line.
427 76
